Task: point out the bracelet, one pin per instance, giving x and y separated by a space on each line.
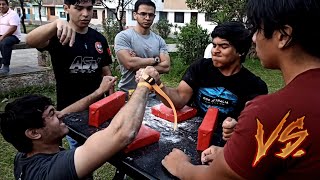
161 85
145 84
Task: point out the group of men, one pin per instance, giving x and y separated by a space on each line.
267 136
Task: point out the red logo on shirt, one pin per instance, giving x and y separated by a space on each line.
109 51
290 147
99 47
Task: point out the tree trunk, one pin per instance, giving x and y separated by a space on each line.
23 16
39 9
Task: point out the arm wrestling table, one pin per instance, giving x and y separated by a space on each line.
145 163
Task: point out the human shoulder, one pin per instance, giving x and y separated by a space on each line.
96 34
156 36
126 33
251 77
202 62
13 13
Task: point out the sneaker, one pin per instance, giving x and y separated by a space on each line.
5 70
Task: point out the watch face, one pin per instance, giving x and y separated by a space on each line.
157 59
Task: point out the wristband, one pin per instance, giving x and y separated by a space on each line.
145 84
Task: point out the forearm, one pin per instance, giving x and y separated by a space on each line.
162 67
135 63
10 31
188 171
40 36
175 97
128 120
121 131
83 103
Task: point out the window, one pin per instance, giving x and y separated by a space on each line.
163 15
29 11
52 11
208 17
63 14
179 17
95 14
110 14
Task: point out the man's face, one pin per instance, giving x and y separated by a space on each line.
54 129
3 7
266 49
80 14
224 55
144 16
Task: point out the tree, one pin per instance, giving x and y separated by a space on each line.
39 3
220 10
192 41
118 11
15 3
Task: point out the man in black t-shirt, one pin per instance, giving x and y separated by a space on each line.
220 82
80 56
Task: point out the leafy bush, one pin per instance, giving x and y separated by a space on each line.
192 41
177 70
110 30
162 27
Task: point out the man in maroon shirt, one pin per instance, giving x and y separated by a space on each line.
277 135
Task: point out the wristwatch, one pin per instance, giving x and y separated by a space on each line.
156 61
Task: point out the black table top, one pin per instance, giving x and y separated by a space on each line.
145 163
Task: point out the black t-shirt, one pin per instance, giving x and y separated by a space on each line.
45 166
78 69
227 93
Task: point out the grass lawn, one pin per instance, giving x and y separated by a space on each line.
271 77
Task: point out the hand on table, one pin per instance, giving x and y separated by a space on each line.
174 161
228 126
208 155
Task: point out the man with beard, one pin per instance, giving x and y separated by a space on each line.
140 47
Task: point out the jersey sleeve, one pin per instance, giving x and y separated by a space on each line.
163 46
122 41
14 20
191 75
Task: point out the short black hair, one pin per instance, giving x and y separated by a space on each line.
143 2
22 114
73 2
237 35
302 15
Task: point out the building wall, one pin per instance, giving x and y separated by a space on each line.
98 21
175 4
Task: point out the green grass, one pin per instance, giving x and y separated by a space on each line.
170 40
271 77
